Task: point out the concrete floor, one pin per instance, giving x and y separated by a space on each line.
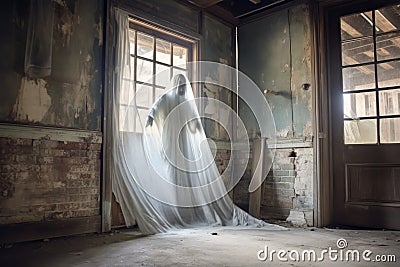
198 247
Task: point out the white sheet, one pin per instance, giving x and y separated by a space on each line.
165 178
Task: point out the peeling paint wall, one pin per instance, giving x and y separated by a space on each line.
275 52
301 71
264 55
47 181
71 95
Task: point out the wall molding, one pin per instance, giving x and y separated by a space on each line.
284 143
291 143
50 133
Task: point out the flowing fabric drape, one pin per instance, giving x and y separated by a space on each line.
164 176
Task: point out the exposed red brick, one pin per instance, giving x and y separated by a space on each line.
48 180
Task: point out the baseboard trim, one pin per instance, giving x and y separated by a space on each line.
12 233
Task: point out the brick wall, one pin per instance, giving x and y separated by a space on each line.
278 189
44 180
287 188
303 185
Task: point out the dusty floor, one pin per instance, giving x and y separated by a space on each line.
201 247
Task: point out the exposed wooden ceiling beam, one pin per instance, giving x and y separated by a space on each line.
224 14
351 61
381 21
381 52
349 29
205 3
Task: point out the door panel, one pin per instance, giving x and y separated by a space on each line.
364 89
372 184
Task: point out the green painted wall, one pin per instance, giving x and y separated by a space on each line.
217 47
275 52
71 95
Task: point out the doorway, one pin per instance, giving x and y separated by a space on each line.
364 98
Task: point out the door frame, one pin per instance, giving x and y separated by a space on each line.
321 11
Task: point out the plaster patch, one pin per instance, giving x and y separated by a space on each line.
284 133
33 100
297 218
308 129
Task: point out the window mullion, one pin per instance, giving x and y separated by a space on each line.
153 96
378 126
134 81
172 62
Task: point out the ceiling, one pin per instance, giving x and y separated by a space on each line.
233 10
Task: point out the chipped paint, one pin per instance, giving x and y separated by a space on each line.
99 30
65 26
33 100
71 95
77 99
285 133
275 51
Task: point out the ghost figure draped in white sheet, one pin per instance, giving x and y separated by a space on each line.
197 192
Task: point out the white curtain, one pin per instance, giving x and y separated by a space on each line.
164 175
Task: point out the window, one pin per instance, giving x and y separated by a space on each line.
370 44
157 55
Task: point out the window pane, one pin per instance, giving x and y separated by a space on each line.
141 119
159 92
180 56
389 102
126 93
130 72
359 105
357 51
390 130
163 51
389 74
358 78
122 114
360 132
356 25
132 42
387 19
145 45
144 96
144 71
163 74
388 46
126 118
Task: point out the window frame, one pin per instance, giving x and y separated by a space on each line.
165 34
377 89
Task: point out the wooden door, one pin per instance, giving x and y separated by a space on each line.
364 85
